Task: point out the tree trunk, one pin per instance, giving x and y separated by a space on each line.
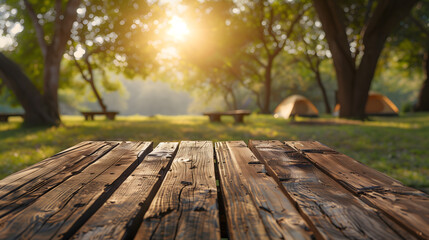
51 75
234 105
52 55
423 100
97 95
354 83
322 88
268 80
37 112
225 99
90 80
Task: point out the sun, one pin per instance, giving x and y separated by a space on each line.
178 28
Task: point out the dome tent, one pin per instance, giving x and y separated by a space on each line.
376 105
296 105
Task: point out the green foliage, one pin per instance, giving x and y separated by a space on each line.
239 45
406 46
116 34
395 146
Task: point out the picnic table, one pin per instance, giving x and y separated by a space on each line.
206 190
237 114
4 117
91 115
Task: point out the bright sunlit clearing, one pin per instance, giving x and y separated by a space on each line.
178 28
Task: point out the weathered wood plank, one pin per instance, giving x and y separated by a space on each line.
331 211
50 165
119 216
185 206
248 190
23 193
8 183
309 146
241 213
407 206
358 177
75 200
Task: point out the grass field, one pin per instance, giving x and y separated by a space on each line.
397 146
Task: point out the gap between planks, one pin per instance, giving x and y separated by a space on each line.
89 214
331 210
57 209
403 205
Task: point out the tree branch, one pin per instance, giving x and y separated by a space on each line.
261 29
88 64
62 31
270 28
58 13
82 73
289 31
295 21
332 18
40 34
309 60
256 60
58 20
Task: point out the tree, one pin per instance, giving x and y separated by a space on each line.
274 22
254 34
311 50
88 76
52 46
211 54
28 95
114 39
355 53
116 34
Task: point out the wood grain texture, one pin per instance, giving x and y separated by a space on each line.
248 189
33 185
354 175
185 206
309 146
16 180
407 206
118 218
331 210
74 200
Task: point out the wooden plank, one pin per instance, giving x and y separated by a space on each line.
331 211
72 202
354 175
185 206
119 216
310 146
407 206
241 213
57 158
255 206
23 193
50 165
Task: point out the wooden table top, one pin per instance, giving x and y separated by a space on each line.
207 190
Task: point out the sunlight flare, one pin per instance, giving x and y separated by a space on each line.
178 28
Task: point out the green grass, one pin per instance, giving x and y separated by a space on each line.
397 146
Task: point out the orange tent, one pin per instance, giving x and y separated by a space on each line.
376 105
296 105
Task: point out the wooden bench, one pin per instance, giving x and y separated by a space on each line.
206 190
237 114
4 117
90 115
